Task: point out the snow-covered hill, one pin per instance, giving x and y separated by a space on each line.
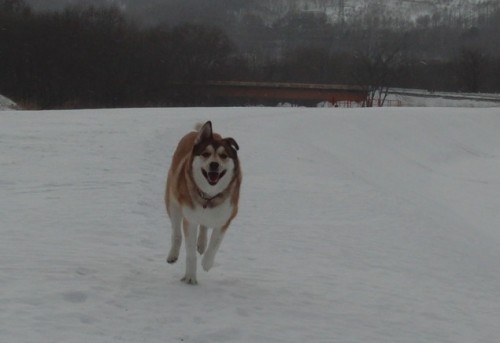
6 103
407 9
271 10
356 225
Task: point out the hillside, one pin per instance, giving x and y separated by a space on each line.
272 10
6 103
403 9
356 225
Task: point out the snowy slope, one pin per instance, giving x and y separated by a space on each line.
272 10
6 103
360 225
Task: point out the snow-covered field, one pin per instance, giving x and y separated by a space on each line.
423 98
355 225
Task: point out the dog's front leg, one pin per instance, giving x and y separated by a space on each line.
190 234
213 246
202 239
176 238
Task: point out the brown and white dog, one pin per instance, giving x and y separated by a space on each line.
203 188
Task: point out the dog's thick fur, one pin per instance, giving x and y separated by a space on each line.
203 188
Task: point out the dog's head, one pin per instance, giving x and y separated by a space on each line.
215 160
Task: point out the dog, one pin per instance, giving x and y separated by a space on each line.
203 190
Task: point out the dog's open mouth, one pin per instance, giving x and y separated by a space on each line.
212 176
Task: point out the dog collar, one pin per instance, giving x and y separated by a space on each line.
207 198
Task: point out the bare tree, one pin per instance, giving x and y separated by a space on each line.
470 67
199 51
374 70
14 6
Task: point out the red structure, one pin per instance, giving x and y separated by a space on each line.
271 92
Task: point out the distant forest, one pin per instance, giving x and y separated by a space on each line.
84 57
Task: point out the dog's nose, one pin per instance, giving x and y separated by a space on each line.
214 165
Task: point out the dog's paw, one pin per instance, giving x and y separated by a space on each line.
172 259
202 245
189 280
207 263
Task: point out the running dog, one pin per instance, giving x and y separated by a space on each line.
203 189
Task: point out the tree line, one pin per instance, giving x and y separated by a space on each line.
90 56
97 57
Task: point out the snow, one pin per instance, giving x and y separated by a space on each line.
423 98
403 9
6 103
355 225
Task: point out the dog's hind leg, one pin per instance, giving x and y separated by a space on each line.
202 239
213 246
190 234
176 220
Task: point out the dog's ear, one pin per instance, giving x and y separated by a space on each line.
232 143
205 132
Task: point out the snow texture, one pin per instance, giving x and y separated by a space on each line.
355 225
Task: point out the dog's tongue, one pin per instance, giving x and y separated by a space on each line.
213 177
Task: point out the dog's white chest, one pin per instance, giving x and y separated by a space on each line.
215 217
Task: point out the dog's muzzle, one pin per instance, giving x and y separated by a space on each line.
213 175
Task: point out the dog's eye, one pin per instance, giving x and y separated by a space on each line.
206 154
223 156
